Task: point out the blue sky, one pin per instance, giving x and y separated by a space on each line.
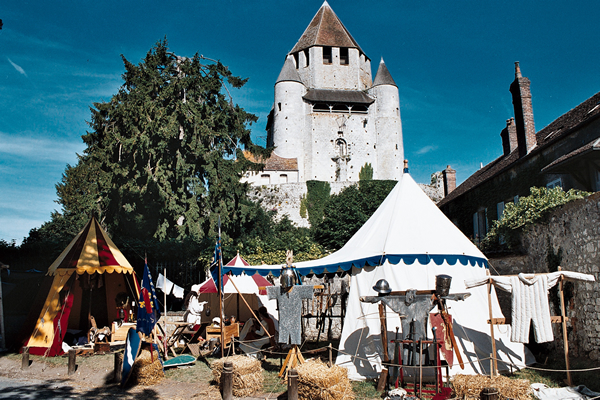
452 61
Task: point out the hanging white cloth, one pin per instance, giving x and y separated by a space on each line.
530 301
178 292
164 284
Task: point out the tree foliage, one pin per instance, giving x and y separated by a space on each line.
366 172
348 210
528 210
164 155
317 194
283 235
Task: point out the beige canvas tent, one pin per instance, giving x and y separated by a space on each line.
91 277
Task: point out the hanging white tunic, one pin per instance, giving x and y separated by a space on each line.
530 301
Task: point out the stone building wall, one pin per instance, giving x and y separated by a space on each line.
571 235
285 198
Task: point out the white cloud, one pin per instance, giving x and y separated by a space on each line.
40 149
426 149
17 67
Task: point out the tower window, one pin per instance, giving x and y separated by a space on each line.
306 56
279 106
360 108
321 107
296 59
344 60
341 148
327 55
340 108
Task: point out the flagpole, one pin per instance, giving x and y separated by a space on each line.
165 304
221 305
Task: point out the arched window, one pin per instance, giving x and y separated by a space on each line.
265 179
341 147
283 178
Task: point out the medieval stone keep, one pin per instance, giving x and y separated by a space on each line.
330 118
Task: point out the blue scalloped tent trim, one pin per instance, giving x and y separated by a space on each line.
372 261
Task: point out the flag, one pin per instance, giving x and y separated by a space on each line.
214 267
148 311
217 260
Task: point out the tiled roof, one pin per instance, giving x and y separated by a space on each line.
289 72
558 129
383 76
275 162
337 96
325 29
594 145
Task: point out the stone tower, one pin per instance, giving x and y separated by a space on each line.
329 115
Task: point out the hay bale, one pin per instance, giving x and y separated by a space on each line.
147 369
470 386
317 381
247 374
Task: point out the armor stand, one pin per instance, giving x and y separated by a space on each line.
293 359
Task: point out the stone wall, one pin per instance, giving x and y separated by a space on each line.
285 198
571 236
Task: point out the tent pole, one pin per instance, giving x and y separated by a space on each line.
221 308
165 323
494 370
564 327
250 308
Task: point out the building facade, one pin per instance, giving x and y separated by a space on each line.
330 118
566 153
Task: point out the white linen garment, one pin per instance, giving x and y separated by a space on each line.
530 301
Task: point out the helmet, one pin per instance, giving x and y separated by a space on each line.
382 287
442 284
287 279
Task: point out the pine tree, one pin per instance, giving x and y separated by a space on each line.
164 155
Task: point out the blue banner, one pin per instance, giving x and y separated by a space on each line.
148 311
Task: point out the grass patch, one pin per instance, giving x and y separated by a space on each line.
365 389
557 377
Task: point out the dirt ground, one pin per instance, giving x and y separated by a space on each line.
45 379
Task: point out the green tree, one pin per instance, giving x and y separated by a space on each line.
347 211
317 194
164 156
366 172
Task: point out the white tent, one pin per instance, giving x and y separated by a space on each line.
408 241
251 287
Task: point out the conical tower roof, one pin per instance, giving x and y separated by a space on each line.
383 76
325 29
289 72
89 252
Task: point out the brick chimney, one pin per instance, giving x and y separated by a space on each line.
521 97
509 137
449 180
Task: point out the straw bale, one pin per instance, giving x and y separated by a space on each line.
247 374
470 386
317 381
147 369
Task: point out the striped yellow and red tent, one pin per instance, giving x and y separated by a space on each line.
91 277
